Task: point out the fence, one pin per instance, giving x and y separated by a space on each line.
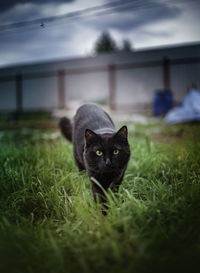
128 85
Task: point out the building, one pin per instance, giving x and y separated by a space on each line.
124 80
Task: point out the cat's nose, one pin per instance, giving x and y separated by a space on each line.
108 162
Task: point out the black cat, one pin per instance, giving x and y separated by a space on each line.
98 148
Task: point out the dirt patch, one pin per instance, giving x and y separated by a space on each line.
162 138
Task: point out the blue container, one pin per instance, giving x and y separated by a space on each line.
162 102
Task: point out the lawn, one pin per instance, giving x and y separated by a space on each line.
49 222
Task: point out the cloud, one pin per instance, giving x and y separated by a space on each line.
21 12
8 4
163 24
55 40
47 43
131 17
27 11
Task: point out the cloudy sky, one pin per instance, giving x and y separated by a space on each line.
51 29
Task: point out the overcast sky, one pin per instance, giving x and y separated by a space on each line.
145 23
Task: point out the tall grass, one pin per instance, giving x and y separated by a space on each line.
50 223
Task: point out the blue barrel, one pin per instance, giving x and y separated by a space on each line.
162 102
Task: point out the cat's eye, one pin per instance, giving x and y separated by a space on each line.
99 153
116 152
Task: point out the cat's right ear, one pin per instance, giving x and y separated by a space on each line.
89 136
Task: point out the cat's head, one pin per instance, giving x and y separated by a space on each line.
108 152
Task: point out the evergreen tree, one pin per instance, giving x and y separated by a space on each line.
127 46
105 44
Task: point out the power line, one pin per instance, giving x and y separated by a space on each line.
69 15
99 10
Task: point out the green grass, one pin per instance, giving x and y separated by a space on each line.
49 222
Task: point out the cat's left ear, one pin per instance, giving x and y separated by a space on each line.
123 132
89 136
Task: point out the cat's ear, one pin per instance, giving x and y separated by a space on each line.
123 132
89 136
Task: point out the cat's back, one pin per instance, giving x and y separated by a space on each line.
92 116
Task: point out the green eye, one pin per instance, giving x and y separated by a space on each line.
116 152
99 153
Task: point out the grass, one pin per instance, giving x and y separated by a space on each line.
49 222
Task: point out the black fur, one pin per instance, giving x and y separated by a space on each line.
66 128
93 130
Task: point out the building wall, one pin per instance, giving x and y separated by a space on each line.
183 77
7 96
87 87
135 87
40 93
131 85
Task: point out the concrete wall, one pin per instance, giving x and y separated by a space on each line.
131 85
40 93
7 96
135 87
183 77
87 87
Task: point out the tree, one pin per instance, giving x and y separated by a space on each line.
105 44
127 46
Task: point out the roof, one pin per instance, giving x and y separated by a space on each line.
191 50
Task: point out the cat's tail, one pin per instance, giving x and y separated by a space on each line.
66 128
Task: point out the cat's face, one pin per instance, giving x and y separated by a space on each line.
107 152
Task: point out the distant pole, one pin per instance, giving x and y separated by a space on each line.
166 73
112 86
19 93
61 89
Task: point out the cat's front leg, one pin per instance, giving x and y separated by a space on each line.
117 182
99 195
